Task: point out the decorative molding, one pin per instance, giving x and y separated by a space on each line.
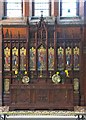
0 64
76 84
77 110
4 108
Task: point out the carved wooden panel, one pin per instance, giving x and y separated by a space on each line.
41 97
40 51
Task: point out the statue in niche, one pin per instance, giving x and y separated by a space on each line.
32 58
60 58
76 58
41 58
68 58
7 59
51 58
14 58
22 58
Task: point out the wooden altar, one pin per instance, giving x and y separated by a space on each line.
38 51
42 96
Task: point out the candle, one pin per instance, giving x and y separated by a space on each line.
16 72
25 72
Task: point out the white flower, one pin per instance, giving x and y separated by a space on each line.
56 78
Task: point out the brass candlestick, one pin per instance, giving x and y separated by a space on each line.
41 73
50 74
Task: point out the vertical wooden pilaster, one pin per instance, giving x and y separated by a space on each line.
0 65
26 9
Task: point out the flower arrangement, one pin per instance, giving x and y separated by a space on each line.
63 75
60 76
56 78
20 74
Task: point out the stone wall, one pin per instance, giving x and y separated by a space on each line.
1 9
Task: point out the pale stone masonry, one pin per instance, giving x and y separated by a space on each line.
1 9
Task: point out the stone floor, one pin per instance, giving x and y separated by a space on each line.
43 114
45 117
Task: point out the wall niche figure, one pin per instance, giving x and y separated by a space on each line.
76 58
60 60
41 58
22 58
50 58
32 58
7 59
68 58
14 59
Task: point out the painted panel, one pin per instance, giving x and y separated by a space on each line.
41 58
68 58
76 58
32 58
22 58
14 59
7 59
60 58
50 58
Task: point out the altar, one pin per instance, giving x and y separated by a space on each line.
41 96
33 54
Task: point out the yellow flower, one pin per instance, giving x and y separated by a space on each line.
16 72
67 74
25 72
57 73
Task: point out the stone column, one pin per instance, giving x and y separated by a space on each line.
0 65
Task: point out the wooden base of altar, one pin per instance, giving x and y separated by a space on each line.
41 96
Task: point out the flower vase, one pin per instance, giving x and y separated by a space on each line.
19 81
63 80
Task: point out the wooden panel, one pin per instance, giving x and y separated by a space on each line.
41 96
14 32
